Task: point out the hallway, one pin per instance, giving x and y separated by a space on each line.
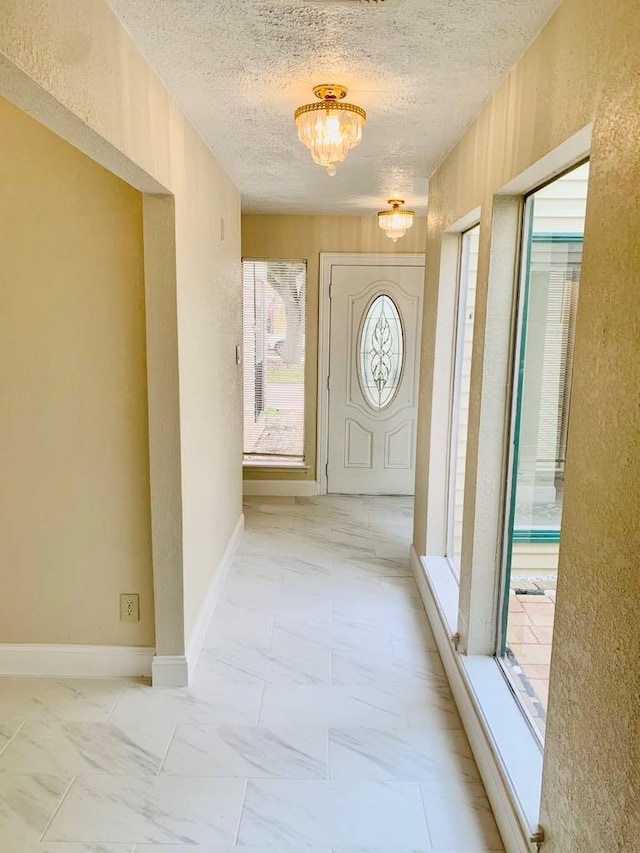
319 718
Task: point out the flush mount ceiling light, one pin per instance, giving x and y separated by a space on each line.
329 127
396 222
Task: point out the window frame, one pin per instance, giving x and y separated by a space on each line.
462 289
267 460
521 287
517 368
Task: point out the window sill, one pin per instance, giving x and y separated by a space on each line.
445 588
515 744
495 724
275 463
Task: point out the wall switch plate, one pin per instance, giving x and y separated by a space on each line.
129 607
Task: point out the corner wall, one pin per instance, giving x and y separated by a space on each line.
76 70
75 525
584 67
304 238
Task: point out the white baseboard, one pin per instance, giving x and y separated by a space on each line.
283 488
199 632
177 670
500 796
74 661
169 671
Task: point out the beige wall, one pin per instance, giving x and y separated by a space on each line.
74 67
584 67
305 237
75 524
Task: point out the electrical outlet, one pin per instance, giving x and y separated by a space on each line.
129 607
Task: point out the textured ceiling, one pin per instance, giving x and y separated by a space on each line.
421 69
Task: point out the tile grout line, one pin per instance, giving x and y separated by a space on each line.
426 819
260 706
272 631
17 731
242 805
116 702
166 752
58 807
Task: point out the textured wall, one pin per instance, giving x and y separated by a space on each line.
74 67
209 328
591 788
584 67
306 237
75 522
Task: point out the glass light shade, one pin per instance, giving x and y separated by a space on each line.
397 221
330 129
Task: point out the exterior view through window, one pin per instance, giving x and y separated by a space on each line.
548 300
273 320
461 386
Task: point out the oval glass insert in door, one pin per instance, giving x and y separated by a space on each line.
381 352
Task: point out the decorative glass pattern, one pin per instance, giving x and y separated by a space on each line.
381 350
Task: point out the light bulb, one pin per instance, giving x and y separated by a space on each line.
332 133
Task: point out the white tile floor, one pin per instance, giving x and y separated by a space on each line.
319 720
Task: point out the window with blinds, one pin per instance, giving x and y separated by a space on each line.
274 324
555 279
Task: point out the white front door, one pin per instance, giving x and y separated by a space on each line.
373 378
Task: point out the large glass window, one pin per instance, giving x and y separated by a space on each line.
273 318
461 388
548 299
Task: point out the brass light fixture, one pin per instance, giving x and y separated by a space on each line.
329 127
396 222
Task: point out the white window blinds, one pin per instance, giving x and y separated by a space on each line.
274 324
555 276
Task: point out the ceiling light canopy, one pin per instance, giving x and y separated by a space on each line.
329 127
395 222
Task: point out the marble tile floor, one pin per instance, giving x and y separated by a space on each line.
319 718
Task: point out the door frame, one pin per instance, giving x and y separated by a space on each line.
327 261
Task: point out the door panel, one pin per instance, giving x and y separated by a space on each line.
373 386
358 446
399 446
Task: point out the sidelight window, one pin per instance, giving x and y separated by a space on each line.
460 398
274 320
